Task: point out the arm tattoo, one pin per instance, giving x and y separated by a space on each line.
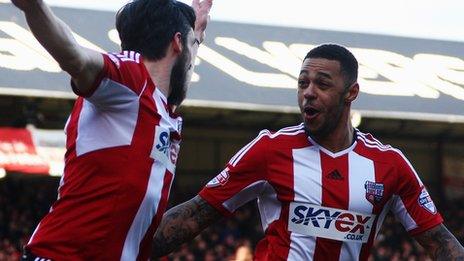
182 223
441 244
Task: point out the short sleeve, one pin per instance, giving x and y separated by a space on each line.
413 206
120 81
242 180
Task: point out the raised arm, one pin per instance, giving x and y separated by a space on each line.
441 244
182 223
202 13
55 36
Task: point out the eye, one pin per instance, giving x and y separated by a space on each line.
323 84
302 83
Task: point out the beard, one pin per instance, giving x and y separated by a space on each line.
178 82
331 121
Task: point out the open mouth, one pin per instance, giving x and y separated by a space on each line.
311 112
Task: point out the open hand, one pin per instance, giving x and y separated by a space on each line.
202 12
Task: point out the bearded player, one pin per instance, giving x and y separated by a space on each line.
123 135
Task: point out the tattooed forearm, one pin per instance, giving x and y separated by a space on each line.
441 244
182 223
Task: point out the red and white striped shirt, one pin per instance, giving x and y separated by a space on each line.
122 146
319 205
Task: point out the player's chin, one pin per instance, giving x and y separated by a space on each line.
316 127
311 127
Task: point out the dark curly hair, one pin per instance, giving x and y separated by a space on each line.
148 26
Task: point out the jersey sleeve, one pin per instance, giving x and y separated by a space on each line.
120 81
413 206
242 180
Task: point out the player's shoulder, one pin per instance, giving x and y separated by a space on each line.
372 148
288 136
267 140
127 69
126 58
284 133
127 65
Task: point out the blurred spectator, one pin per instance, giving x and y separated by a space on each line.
244 253
24 200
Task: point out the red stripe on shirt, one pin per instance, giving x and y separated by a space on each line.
335 194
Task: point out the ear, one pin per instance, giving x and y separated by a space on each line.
352 93
177 42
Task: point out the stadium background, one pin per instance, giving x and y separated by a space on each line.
413 98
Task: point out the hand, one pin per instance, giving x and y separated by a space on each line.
25 5
202 12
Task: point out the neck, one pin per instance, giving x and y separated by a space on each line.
340 138
160 74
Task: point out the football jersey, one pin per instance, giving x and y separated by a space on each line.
122 146
319 205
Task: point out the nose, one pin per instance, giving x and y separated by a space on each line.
309 92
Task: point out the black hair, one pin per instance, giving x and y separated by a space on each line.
335 52
148 26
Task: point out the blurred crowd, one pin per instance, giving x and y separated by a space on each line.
24 200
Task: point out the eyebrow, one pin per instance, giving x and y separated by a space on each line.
318 74
323 74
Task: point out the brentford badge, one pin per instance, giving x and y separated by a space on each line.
374 192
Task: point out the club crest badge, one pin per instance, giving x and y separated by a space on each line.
374 192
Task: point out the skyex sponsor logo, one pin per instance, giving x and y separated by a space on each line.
331 223
164 150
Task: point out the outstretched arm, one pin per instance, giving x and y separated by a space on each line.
182 223
441 244
202 13
55 36
202 9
